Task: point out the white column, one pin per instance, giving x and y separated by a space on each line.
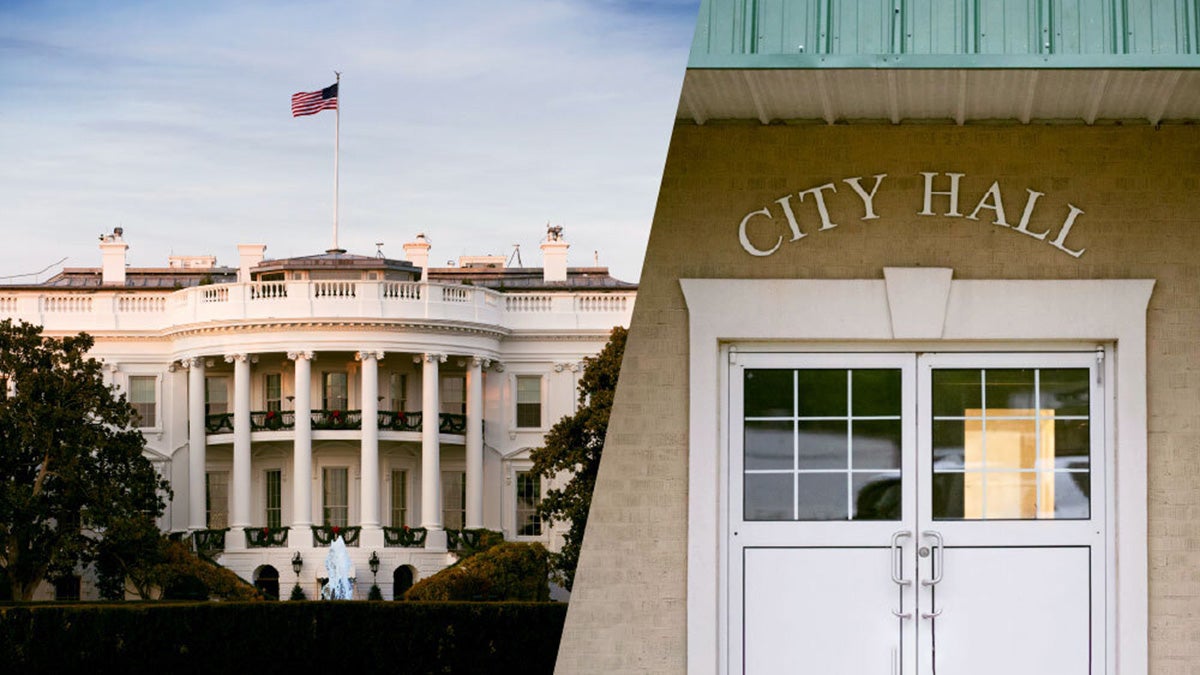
431 453
240 511
301 450
197 445
475 442
371 535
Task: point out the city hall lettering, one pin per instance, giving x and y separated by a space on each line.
793 216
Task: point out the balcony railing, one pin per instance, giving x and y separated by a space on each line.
266 537
285 420
324 535
406 537
209 542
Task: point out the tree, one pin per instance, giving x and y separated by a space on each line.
573 447
71 462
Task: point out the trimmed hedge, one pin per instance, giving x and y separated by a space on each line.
508 571
289 637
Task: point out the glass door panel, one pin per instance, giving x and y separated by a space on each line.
1011 443
821 444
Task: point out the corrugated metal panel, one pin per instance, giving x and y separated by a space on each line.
937 27
729 29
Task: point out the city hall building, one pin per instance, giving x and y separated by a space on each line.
292 401
913 382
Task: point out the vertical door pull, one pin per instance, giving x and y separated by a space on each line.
898 569
898 559
938 555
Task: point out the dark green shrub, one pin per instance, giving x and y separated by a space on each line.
213 637
298 593
508 571
375 593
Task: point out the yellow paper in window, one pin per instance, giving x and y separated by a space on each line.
1009 464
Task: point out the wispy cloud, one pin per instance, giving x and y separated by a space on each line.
475 122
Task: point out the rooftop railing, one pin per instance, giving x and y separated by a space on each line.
122 309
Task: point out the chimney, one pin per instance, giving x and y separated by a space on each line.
417 253
112 257
249 255
554 255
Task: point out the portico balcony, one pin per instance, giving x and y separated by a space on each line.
350 420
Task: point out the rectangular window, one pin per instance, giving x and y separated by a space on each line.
529 401
334 391
398 388
454 499
399 498
142 396
273 391
822 444
1012 444
66 589
216 395
529 493
335 496
3 388
274 484
216 499
453 394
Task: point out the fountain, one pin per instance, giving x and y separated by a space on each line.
340 571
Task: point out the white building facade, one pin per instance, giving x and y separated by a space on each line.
290 401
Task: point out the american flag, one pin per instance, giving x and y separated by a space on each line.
313 102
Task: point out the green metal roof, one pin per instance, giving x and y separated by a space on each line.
940 34
956 61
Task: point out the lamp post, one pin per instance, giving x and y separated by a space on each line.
297 565
373 563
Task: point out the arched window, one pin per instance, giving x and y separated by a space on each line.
266 580
402 580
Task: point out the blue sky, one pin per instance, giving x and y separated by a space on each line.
475 122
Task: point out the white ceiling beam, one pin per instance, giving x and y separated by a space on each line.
826 100
1096 97
960 115
692 102
1030 91
755 97
1165 92
893 97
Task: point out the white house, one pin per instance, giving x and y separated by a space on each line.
253 384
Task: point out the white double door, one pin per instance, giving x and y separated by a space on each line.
901 513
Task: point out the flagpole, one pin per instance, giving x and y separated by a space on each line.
337 125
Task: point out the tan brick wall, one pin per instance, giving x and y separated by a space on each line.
1140 190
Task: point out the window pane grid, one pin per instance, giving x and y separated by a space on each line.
335 498
273 391
529 492
845 471
274 498
216 499
399 498
142 397
454 499
1003 443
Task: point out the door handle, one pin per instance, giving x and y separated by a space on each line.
931 615
938 556
898 569
898 559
